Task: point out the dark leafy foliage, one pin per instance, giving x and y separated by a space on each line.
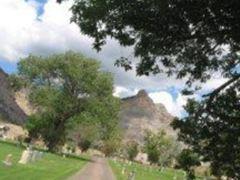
185 37
132 149
187 159
214 131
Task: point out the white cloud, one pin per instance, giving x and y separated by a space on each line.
23 32
213 83
163 97
15 19
175 107
124 92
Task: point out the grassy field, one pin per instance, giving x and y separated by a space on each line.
50 167
144 172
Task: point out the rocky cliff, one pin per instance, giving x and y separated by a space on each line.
9 109
139 113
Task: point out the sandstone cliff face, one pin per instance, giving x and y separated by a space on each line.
21 98
139 113
9 109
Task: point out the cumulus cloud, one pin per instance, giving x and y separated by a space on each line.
15 19
173 106
122 92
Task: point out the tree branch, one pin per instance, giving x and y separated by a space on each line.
214 93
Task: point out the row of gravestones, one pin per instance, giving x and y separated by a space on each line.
28 156
132 174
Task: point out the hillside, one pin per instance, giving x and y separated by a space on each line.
139 113
9 109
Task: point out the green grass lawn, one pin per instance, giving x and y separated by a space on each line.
145 172
50 167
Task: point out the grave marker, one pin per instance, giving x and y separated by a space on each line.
8 160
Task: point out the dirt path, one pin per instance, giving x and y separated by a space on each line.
98 169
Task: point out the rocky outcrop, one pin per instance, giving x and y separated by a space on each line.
9 109
13 131
139 113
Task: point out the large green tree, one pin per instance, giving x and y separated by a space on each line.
67 89
190 39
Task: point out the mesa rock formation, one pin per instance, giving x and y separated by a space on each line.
139 113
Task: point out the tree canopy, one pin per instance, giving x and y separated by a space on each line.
189 38
214 133
67 89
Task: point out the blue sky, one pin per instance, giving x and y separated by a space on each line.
40 9
9 67
42 27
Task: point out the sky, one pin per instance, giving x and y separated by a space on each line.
42 27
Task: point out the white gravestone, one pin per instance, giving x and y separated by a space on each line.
26 156
8 160
39 155
123 170
34 156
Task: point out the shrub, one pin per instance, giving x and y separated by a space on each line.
132 150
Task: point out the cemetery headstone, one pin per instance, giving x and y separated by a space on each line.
26 156
131 175
34 156
8 160
39 155
123 170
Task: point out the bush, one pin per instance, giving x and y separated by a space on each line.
187 159
112 144
84 145
132 150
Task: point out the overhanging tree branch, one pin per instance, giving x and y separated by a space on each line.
214 93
